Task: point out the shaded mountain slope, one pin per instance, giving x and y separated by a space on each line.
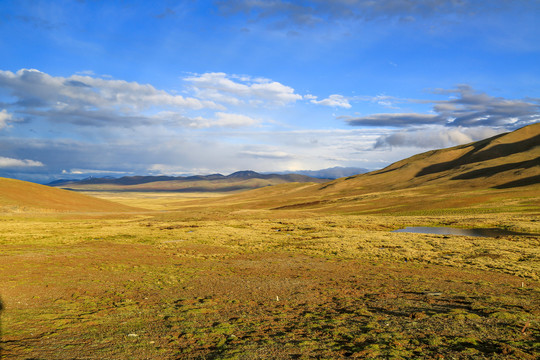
502 169
487 163
20 196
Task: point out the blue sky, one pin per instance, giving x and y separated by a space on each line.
94 88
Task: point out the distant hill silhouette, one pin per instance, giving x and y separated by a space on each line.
331 173
241 180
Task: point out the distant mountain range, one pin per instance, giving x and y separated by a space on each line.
241 180
331 173
501 169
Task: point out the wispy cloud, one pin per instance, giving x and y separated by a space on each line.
266 154
93 172
393 120
312 13
220 119
467 115
389 102
5 117
334 101
38 22
465 108
472 108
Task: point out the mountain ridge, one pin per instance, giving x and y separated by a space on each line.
240 180
505 167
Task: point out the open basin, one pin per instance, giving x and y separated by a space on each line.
493 232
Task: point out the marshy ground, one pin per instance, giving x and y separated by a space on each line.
266 284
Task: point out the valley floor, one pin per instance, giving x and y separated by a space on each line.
274 285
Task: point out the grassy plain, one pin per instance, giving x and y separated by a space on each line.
181 279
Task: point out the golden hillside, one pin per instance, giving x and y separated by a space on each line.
505 167
21 196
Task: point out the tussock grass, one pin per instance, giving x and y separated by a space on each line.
166 285
289 271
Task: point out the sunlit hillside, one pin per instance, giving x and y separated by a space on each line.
504 169
22 196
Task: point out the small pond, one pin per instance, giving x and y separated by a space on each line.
494 232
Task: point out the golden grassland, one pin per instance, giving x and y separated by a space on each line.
181 279
148 200
21 196
293 271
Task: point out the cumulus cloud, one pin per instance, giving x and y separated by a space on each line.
236 90
465 108
334 101
434 137
6 162
81 90
90 100
5 117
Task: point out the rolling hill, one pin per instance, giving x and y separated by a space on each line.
503 168
241 180
22 196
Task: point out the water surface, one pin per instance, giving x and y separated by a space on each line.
493 232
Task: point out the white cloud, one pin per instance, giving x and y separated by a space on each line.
334 101
267 154
88 100
220 119
233 120
236 90
434 137
91 91
91 171
5 117
176 170
6 162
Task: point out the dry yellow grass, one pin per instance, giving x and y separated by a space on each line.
180 284
153 200
480 176
21 196
291 271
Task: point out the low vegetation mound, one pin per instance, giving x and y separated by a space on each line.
22 196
